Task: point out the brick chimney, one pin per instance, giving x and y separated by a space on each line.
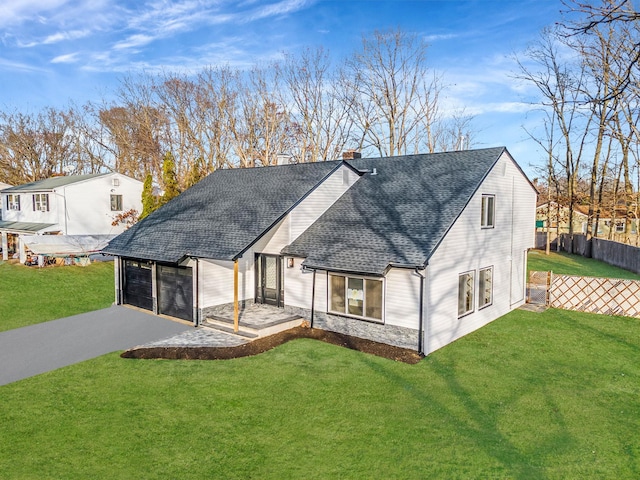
351 154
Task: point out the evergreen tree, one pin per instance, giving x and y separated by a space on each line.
169 179
196 172
149 201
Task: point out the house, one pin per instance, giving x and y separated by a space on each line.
414 251
609 224
66 205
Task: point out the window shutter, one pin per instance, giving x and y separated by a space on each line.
33 197
47 200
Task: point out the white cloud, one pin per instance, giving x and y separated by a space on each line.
67 58
442 36
18 66
283 7
137 40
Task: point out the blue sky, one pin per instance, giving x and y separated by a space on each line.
54 51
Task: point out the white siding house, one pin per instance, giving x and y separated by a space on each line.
66 205
414 251
471 248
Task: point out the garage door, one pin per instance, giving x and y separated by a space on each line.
137 289
175 291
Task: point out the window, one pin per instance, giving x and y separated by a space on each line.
40 202
465 293
356 297
488 211
116 203
13 202
620 224
485 287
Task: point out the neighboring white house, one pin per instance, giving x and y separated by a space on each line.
66 205
414 251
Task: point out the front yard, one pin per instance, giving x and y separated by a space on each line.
551 395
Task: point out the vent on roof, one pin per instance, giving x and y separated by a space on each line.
351 154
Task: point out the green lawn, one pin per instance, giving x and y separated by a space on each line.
554 395
33 295
568 264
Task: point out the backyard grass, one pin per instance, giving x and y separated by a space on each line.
568 264
32 295
553 395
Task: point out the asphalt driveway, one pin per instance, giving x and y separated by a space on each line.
35 349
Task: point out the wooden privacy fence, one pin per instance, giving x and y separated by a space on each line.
608 296
614 253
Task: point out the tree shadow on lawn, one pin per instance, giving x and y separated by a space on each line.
479 422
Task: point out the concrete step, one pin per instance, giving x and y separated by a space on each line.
224 326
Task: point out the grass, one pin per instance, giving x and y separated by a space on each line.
568 264
551 396
33 295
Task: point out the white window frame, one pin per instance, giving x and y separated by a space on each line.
40 202
346 313
482 299
488 211
118 204
471 303
13 202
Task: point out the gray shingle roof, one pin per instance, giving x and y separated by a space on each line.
49 184
397 217
221 216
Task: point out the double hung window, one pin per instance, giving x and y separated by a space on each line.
465 293
116 203
485 287
40 202
13 202
488 211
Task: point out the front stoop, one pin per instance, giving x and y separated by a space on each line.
252 330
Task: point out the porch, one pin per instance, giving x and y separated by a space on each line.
254 319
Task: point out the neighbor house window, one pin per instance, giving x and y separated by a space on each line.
620 226
13 202
465 293
485 287
488 211
40 202
356 296
116 203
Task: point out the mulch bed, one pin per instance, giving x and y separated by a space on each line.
263 344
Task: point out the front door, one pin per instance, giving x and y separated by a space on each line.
269 280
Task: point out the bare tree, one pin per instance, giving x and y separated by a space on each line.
35 146
560 84
318 108
387 80
587 18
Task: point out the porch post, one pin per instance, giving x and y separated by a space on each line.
235 296
5 247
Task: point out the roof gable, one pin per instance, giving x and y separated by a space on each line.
223 215
398 216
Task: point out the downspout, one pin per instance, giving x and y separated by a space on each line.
196 316
421 313
313 295
235 297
